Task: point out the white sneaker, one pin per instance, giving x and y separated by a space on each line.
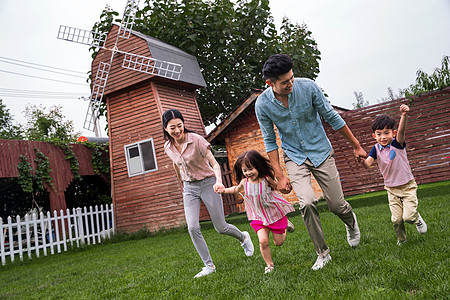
247 244
268 269
290 227
353 234
205 271
320 262
421 225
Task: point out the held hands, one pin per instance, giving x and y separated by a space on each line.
284 185
360 154
404 109
219 188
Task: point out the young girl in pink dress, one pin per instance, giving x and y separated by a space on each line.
265 208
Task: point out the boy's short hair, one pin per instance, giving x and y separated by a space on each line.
276 65
381 122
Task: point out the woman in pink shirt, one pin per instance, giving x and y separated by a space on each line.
200 173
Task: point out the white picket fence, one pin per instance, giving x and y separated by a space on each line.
33 234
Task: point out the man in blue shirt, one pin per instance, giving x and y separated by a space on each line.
295 106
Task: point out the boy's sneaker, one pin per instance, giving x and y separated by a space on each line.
400 243
353 234
205 271
320 262
268 269
421 225
247 244
290 227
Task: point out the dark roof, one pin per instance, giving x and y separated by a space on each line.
160 50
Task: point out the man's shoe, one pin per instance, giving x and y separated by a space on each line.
290 227
353 234
400 243
205 271
421 225
321 261
268 269
247 244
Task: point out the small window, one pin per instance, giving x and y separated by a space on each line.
141 157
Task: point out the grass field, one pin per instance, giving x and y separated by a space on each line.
162 266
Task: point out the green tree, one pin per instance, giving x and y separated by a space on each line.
43 125
8 130
439 79
230 39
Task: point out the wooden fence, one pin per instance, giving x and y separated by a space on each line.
35 233
427 141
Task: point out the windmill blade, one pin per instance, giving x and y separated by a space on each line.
129 15
152 66
95 100
81 36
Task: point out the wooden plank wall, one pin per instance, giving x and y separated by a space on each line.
62 176
427 141
152 200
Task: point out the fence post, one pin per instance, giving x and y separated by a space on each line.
113 227
56 226
50 232
28 235
107 221
97 223
80 225
11 239
2 242
19 237
43 229
86 225
63 226
36 234
91 212
102 221
69 225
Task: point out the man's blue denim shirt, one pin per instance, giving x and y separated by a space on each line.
299 126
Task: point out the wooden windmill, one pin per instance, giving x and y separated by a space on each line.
130 60
140 77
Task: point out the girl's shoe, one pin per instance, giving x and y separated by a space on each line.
290 227
268 269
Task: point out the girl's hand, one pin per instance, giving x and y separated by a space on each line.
284 185
219 188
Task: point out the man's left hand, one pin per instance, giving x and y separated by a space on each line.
360 154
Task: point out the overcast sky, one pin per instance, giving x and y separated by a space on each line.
366 46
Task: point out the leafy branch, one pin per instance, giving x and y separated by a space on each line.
42 171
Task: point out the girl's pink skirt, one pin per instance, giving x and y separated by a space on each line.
279 227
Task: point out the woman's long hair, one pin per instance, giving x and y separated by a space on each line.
169 115
253 158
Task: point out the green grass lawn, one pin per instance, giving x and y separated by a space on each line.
162 266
